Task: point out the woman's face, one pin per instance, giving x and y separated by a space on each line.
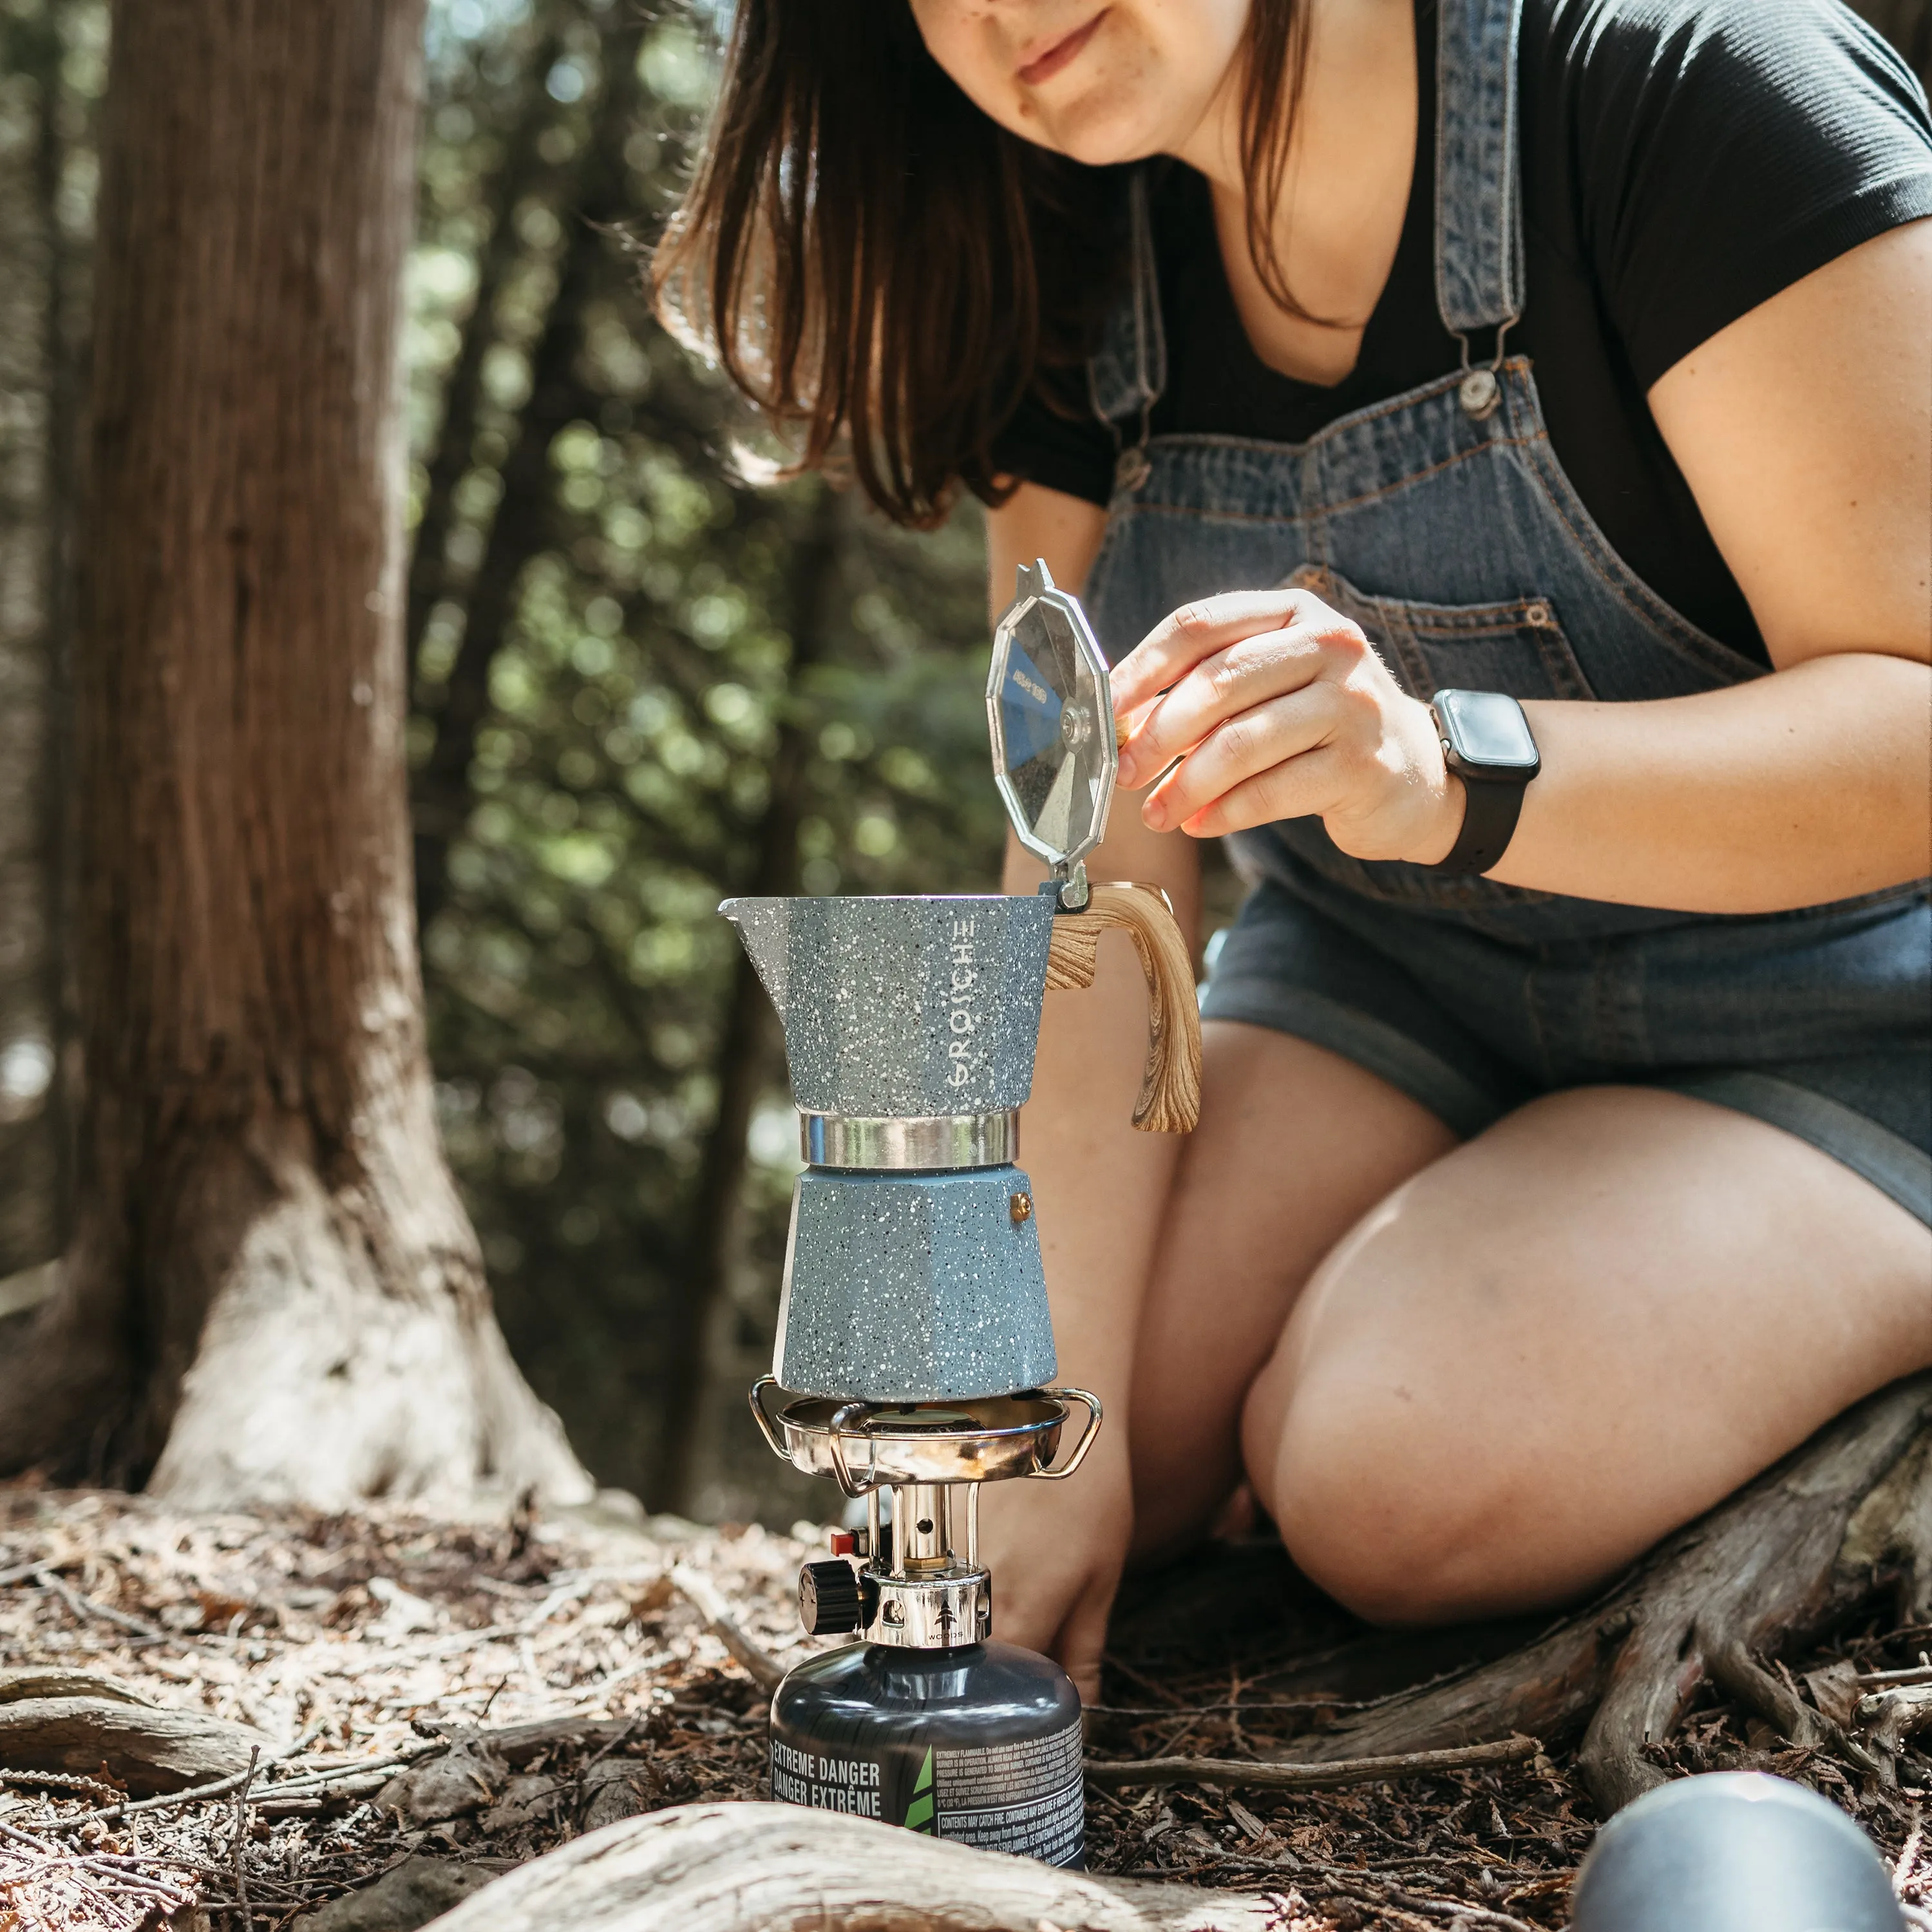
1100 80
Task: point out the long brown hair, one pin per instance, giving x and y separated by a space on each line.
884 271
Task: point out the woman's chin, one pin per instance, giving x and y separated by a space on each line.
1103 135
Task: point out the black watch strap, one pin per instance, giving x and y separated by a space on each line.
1489 821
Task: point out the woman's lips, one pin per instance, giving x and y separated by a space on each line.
1057 56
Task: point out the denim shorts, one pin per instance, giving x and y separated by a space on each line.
1827 1034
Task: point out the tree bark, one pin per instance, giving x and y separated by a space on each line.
272 1292
148 1750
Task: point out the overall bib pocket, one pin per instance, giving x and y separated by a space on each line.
1518 647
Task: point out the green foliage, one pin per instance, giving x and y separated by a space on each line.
622 780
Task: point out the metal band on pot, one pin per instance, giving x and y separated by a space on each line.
926 1143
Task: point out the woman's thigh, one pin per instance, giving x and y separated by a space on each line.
1567 1336
1295 1144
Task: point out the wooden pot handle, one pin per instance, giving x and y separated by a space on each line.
1170 1096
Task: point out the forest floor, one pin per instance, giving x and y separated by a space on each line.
444 1702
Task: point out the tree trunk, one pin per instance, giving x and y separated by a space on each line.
524 524
272 1292
521 169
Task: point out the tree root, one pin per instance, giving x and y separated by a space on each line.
1841 1520
783 1868
322 1344
1245 1775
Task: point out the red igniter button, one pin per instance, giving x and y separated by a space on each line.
844 1542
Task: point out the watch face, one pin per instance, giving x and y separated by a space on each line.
1486 728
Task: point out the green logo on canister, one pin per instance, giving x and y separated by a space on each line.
919 1813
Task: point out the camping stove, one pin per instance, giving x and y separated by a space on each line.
914 1578
915 1351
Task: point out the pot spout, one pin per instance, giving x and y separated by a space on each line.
764 930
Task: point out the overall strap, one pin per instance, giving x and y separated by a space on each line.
1127 374
1478 192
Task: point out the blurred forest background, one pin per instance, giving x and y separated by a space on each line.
642 682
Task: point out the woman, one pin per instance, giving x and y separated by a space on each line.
1566 1149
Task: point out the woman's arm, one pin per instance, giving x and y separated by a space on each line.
1100 1185
1099 1182
1805 431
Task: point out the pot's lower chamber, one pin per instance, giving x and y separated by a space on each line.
981 1745
927 1722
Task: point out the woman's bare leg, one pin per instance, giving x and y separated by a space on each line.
1295 1144
1562 1340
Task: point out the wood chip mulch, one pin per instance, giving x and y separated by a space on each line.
480 1694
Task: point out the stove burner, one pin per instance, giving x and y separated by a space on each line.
863 1445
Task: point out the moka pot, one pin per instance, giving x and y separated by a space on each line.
914 1344
912 1269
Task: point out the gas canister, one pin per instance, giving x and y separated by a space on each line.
981 1745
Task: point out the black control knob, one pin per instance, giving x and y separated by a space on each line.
832 1599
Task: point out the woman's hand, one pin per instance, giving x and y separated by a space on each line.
1275 706
1056 1551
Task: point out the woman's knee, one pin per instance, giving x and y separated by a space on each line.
1396 1486
1378 1511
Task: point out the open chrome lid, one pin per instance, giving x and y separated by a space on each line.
1051 716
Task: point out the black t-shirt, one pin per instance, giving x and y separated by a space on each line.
1683 160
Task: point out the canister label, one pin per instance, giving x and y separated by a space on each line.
1025 1797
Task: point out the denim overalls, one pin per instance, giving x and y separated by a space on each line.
1440 521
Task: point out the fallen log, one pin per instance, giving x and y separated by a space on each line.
148 1749
52 1680
1840 1522
782 1868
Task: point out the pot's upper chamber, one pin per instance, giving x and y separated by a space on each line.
919 1283
903 1006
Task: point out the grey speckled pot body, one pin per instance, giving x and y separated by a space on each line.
903 1286
912 1288
903 1006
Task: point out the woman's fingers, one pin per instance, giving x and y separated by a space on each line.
1083 1636
1179 642
1280 733
1223 685
1306 787
1261 706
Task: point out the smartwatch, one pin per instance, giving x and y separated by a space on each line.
1487 743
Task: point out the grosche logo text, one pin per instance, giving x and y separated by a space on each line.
962 1021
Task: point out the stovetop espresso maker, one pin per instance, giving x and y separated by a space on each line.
915 1355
